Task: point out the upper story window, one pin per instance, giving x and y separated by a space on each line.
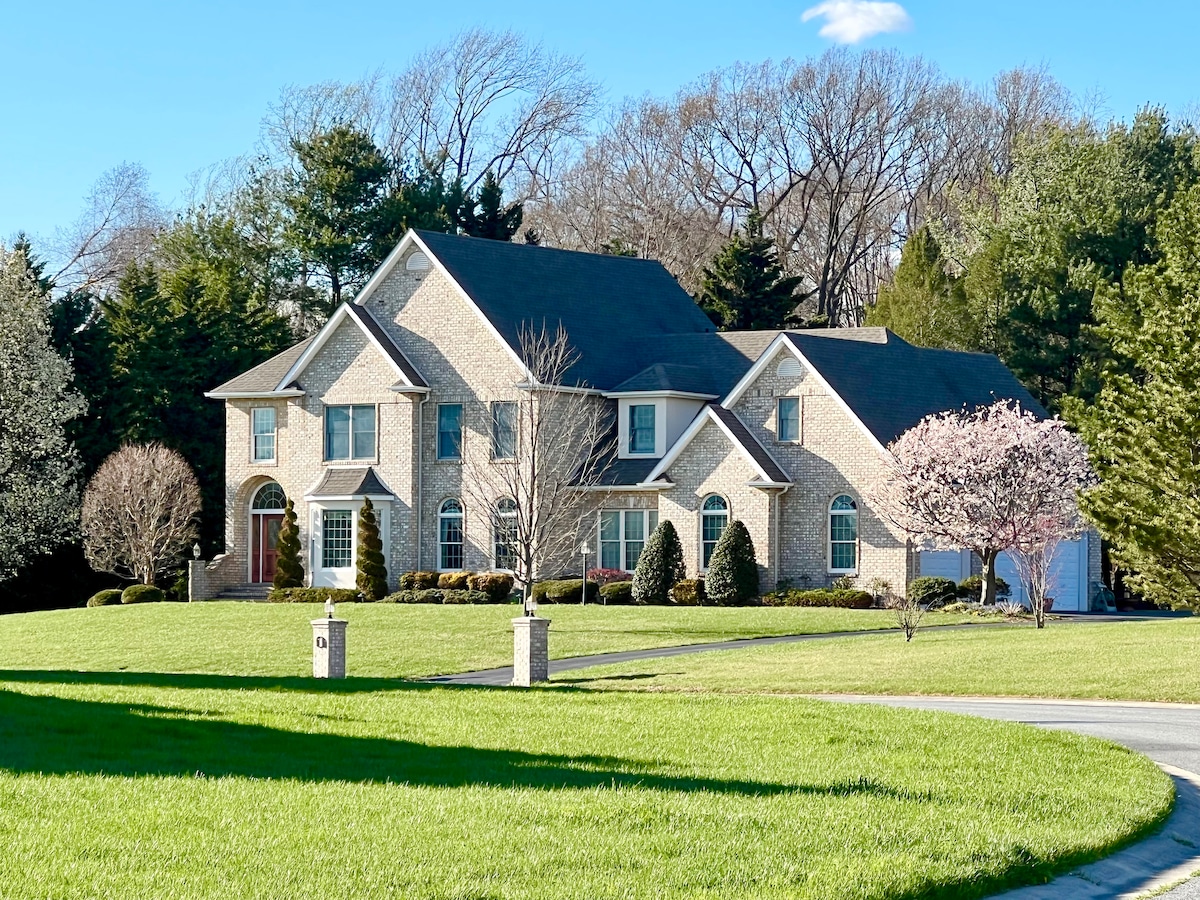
262 434
623 534
504 430
641 428
843 534
349 432
449 433
714 516
788 419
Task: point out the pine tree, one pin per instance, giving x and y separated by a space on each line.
744 287
660 567
488 217
372 573
289 571
39 497
733 571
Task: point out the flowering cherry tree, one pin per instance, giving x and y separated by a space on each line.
994 479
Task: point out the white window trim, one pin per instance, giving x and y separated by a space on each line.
462 519
622 539
351 459
274 458
437 432
779 439
700 566
492 407
660 427
496 517
829 512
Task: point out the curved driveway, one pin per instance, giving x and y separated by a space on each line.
1168 733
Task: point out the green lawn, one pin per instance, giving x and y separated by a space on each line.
384 640
1154 660
208 785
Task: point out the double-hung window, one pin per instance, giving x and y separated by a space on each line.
641 428
504 430
262 434
349 432
449 433
788 419
623 534
337 542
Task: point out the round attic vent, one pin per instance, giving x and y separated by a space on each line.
789 367
417 262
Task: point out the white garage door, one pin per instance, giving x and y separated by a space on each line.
952 564
1068 576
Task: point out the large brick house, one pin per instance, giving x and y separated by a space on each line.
780 429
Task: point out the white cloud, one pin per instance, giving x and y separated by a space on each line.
850 21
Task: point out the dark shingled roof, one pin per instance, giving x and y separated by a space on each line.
368 321
668 377
891 386
750 443
608 305
264 377
356 482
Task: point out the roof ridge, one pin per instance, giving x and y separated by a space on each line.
438 235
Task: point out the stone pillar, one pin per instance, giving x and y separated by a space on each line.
198 581
530 662
329 648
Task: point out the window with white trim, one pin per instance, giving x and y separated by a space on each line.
504 536
504 429
787 419
843 535
641 428
449 433
269 497
714 516
349 432
337 538
623 534
450 536
262 434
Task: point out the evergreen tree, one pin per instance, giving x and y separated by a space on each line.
39 497
660 567
744 287
289 571
1143 429
925 304
487 216
733 570
372 573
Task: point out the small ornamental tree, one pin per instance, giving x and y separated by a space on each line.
372 573
998 478
733 571
289 572
660 567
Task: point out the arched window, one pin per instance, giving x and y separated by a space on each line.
714 517
504 536
843 534
450 536
269 496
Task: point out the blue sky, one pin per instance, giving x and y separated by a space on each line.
179 86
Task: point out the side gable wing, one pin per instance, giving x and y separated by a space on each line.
768 468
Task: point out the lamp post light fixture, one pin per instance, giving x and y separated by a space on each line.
196 550
329 607
584 550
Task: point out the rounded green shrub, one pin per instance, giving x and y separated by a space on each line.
142 593
932 591
313 595
733 571
497 585
418 581
454 581
971 588
564 591
689 592
110 597
659 567
840 598
461 597
616 593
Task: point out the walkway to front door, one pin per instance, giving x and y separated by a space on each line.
266 518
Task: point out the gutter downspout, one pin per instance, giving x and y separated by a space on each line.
419 523
778 540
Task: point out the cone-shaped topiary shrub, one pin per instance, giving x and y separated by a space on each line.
659 567
733 571
372 573
289 571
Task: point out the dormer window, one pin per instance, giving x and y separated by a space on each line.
641 428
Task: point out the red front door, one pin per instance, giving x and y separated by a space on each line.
265 546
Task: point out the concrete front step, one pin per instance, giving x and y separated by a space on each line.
245 592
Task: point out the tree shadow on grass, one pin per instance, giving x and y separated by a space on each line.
207 681
60 736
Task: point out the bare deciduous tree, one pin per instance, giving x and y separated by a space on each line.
140 512
563 445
